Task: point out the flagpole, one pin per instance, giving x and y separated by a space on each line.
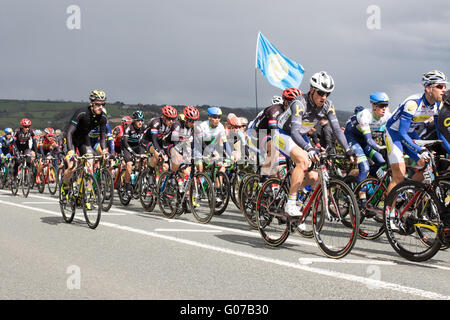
256 91
256 71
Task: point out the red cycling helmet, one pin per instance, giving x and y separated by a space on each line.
169 112
191 113
291 93
126 120
25 122
49 131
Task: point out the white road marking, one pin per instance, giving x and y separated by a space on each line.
185 230
38 202
344 261
333 274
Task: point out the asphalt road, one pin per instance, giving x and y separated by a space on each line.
138 255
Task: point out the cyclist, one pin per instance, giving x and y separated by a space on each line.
131 145
234 134
400 130
94 136
263 127
212 138
25 142
358 132
6 144
46 147
400 127
442 122
182 137
118 133
77 134
156 139
303 113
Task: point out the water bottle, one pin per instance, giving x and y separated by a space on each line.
133 178
303 195
428 174
380 173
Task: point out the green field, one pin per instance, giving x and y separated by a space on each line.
57 114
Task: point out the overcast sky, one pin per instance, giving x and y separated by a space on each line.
203 51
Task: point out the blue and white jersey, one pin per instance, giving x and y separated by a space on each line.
415 110
364 122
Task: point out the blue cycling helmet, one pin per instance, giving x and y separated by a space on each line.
214 111
138 115
358 109
379 97
8 130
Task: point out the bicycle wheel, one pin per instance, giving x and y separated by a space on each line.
67 202
168 194
249 197
241 184
3 176
273 229
16 180
91 200
417 219
106 186
369 195
334 238
41 185
222 192
235 183
201 197
52 180
26 181
124 197
147 193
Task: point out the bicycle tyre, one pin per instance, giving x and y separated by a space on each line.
167 194
328 229
371 227
273 230
67 205
106 185
52 180
121 190
223 193
91 200
147 193
202 197
248 198
26 182
396 238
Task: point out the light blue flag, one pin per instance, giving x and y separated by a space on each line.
276 67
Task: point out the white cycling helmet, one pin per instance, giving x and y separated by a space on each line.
277 100
322 81
433 77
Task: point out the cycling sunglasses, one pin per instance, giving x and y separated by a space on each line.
322 93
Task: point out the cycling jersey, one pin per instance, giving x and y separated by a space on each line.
413 112
24 141
131 140
94 135
267 118
6 145
442 124
213 138
157 134
361 125
77 131
182 136
118 134
47 145
301 116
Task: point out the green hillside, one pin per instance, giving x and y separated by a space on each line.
58 113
